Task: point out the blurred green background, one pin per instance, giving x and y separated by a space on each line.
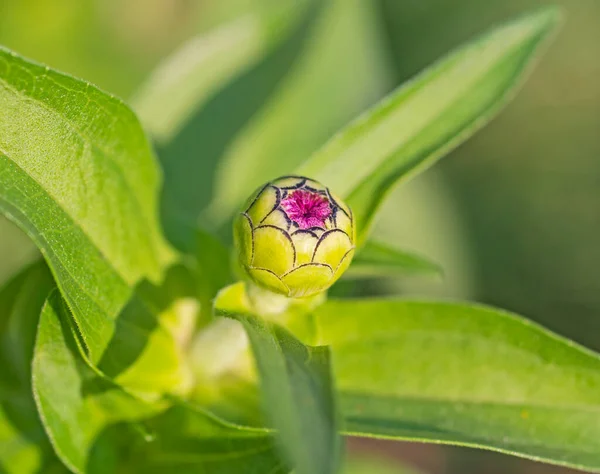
514 214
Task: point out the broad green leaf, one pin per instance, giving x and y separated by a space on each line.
377 259
75 403
24 447
341 72
297 390
198 101
463 374
427 117
186 440
78 176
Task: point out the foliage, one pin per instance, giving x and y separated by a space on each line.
114 359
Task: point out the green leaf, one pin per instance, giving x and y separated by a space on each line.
463 374
24 446
202 97
377 259
78 176
213 270
187 440
427 117
75 403
93 424
341 72
297 390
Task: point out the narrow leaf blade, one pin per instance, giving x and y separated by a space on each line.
297 389
213 90
427 117
463 374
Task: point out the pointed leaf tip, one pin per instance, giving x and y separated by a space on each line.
424 119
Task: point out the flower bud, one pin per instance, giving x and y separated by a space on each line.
295 237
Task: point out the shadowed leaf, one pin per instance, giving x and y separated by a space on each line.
75 403
24 446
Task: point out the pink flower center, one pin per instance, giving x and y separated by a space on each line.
307 209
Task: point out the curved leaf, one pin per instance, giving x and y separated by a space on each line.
76 405
24 446
96 427
297 389
78 176
202 97
186 440
427 117
377 259
463 374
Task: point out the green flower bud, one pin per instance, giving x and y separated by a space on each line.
295 237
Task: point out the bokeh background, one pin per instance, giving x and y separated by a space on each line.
514 214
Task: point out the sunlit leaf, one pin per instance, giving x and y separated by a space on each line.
427 117
78 176
297 390
463 374
376 259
